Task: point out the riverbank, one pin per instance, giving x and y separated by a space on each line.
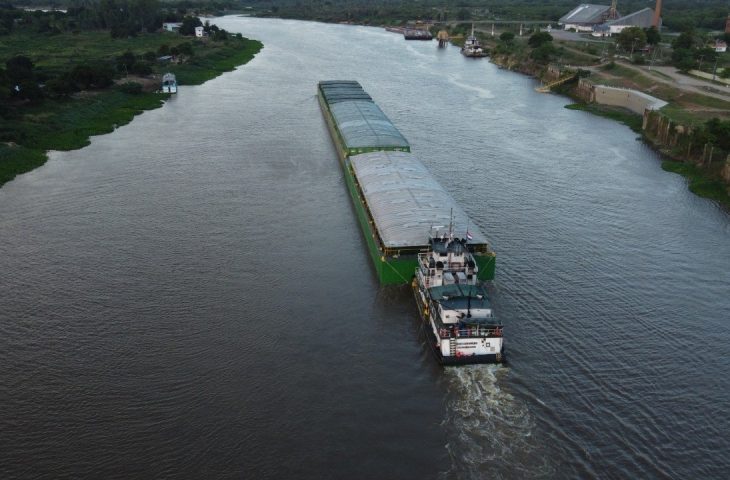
684 151
29 131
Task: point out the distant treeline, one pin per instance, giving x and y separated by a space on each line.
123 18
678 15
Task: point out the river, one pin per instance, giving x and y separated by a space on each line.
190 296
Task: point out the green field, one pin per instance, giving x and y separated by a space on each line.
27 131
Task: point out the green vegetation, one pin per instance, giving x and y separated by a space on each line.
627 117
15 160
702 182
59 88
677 14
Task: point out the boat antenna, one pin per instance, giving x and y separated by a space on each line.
468 305
451 222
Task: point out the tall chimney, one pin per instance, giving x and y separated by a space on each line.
657 14
613 13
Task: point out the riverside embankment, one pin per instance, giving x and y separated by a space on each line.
688 146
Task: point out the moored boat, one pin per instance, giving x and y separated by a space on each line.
472 47
460 324
169 83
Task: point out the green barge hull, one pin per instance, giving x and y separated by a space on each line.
391 267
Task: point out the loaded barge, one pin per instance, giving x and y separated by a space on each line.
397 200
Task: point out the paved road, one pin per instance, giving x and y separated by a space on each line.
681 81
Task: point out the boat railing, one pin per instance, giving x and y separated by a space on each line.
466 332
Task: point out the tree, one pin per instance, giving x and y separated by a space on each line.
683 59
189 24
543 53
19 68
539 38
463 14
687 39
185 48
631 38
720 131
507 37
653 37
705 56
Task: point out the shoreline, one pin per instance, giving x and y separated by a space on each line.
94 113
699 181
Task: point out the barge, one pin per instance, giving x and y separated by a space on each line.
396 199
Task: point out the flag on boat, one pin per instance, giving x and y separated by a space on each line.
469 235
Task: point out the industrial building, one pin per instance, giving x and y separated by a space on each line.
605 20
586 16
644 18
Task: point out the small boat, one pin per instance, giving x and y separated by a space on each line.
169 83
472 47
460 324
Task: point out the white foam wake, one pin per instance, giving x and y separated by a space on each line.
489 431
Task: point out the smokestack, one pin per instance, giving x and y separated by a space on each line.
657 14
613 13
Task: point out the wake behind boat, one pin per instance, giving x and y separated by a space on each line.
460 323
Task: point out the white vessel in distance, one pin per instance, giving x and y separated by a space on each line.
169 83
459 320
472 47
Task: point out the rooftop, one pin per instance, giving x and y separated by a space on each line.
642 18
586 13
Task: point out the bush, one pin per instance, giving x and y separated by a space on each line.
87 76
141 68
543 53
638 59
185 48
507 37
539 38
133 88
62 85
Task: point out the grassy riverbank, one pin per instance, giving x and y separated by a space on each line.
701 181
29 130
628 118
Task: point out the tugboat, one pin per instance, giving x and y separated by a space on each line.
169 83
460 323
472 47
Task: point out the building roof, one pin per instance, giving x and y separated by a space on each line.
406 201
586 13
643 18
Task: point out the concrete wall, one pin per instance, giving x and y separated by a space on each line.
635 101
